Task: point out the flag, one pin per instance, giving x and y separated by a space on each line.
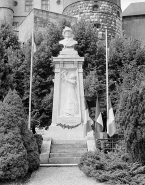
33 43
98 118
87 121
111 127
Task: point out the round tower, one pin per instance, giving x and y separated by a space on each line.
6 10
102 13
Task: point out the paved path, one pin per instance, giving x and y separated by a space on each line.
60 176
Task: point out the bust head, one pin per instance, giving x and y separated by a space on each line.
68 42
67 32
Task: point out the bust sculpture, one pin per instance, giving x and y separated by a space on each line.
68 41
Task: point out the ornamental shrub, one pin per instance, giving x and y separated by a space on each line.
13 154
31 146
111 168
131 120
19 118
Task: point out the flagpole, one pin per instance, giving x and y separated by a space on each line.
31 79
107 73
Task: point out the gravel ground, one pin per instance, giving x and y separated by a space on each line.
60 176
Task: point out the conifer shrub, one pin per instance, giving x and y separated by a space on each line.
131 120
31 146
27 137
13 154
112 168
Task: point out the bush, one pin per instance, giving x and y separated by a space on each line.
15 117
32 149
112 168
131 120
13 160
27 136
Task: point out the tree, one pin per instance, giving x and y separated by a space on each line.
42 91
8 43
13 163
125 58
20 120
131 121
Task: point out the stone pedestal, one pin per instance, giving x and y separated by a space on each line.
58 133
68 100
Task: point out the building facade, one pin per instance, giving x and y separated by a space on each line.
102 13
133 19
15 11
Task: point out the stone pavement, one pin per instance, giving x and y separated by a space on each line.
60 176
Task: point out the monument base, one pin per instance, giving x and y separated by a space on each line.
58 133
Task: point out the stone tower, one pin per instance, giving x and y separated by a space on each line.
101 13
6 10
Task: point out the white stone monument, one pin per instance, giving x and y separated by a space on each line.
68 99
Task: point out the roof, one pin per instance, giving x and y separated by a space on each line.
134 9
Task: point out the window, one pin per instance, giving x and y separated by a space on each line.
118 13
100 34
95 7
58 2
15 24
28 5
15 3
45 4
97 25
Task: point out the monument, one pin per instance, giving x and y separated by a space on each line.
68 100
64 142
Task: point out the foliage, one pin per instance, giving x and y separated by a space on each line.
126 58
19 118
111 169
131 120
8 44
32 149
93 52
13 160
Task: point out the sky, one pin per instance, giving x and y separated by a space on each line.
125 3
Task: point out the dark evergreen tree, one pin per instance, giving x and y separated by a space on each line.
19 118
13 154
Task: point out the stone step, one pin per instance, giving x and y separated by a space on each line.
81 142
64 160
58 165
56 149
69 146
66 154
